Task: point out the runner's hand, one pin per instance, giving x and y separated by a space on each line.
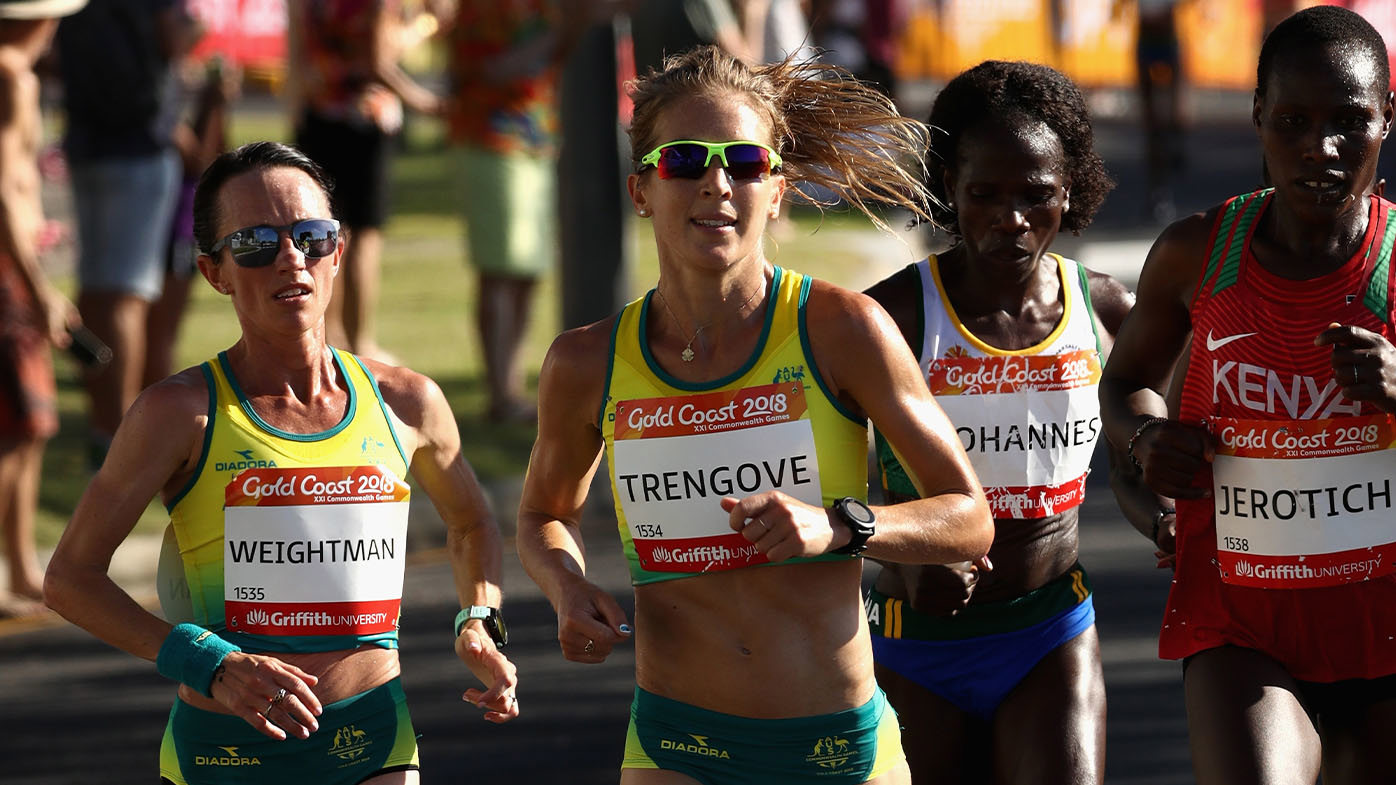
1167 544
780 526
589 623
477 650
248 685
1170 456
943 589
1364 364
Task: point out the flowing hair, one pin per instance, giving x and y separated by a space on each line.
832 130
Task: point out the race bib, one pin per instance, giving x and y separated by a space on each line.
1306 503
314 551
676 457
1028 423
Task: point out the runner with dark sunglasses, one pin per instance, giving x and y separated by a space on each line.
283 463
732 404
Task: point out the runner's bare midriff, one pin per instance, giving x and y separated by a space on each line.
342 674
762 642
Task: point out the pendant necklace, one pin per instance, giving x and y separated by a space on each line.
688 353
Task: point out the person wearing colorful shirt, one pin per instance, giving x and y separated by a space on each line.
283 463
1278 449
349 96
1003 654
731 403
502 123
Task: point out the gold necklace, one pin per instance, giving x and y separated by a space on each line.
688 353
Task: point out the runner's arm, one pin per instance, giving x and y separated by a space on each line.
560 469
473 541
951 521
158 438
1149 513
1141 362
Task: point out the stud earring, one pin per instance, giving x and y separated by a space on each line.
644 213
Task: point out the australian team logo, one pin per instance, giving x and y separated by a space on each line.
831 753
350 744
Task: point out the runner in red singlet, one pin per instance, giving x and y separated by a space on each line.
1284 603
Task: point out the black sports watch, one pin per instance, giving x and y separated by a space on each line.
494 623
860 519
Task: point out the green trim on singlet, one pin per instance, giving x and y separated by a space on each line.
257 420
208 436
679 384
1231 266
1220 236
1377 298
1090 308
610 370
808 346
383 405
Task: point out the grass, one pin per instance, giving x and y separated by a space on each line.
426 307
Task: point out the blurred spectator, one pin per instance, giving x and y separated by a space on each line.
776 29
594 253
199 138
670 27
32 312
504 57
345 54
1160 81
115 58
861 36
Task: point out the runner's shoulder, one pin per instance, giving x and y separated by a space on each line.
407 392
578 358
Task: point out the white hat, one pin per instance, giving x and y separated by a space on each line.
39 9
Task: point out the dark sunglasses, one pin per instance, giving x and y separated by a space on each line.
689 160
257 246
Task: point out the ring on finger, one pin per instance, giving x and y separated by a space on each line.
275 700
590 647
1354 372
764 525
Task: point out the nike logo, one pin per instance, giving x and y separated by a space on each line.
1214 344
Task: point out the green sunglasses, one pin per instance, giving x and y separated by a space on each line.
689 159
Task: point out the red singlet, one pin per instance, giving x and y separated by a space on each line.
1253 357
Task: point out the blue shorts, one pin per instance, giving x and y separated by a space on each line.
975 673
359 737
124 207
853 745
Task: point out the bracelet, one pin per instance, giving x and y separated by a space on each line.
1158 521
192 655
1144 426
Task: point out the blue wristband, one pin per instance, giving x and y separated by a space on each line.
191 655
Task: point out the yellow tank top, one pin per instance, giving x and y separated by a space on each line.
295 542
675 448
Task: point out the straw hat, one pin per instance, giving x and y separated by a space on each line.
39 9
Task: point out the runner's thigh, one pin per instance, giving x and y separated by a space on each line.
1245 722
935 734
1051 727
1358 748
